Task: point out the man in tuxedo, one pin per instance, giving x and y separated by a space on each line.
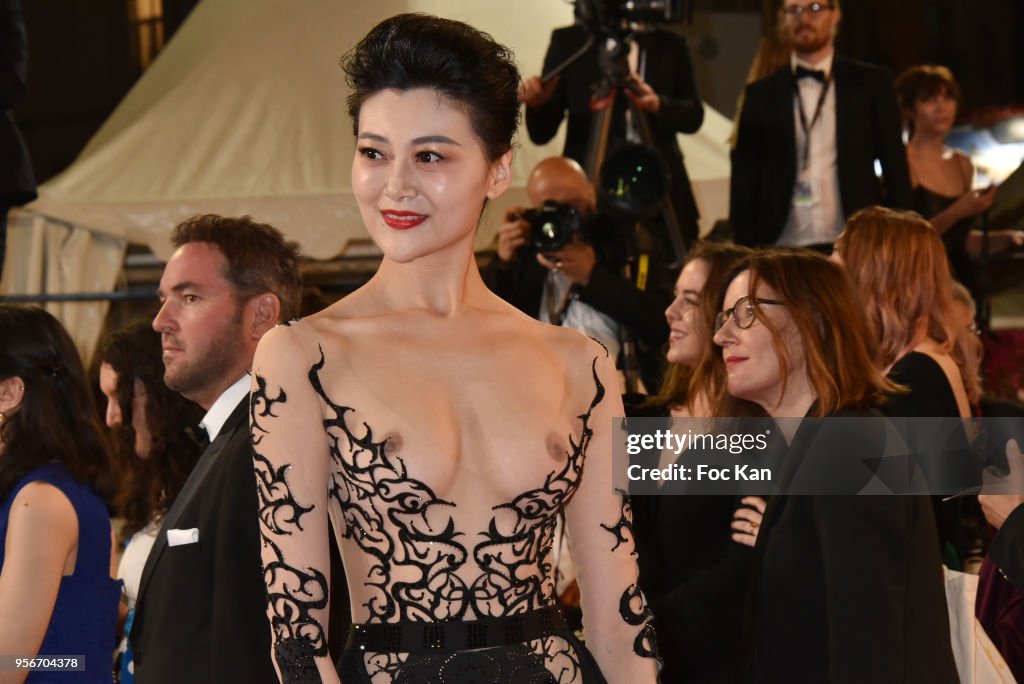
201 612
808 139
660 65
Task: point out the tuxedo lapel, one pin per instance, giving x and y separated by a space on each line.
192 485
784 91
847 130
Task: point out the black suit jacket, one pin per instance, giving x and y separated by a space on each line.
668 71
17 184
1008 548
201 612
846 588
764 160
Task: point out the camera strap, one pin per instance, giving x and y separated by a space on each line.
556 299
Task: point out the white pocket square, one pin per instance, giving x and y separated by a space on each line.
180 537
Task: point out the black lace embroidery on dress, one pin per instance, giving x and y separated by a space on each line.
368 484
623 529
633 609
371 485
402 524
298 636
521 535
632 605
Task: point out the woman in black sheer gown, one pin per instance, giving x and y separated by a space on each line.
443 431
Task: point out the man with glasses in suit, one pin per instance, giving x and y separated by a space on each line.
809 138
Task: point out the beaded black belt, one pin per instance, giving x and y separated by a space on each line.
417 637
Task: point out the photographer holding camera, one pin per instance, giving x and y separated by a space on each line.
561 263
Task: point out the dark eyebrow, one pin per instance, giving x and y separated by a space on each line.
422 140
181 287
442 139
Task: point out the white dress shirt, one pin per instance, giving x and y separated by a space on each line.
577 315
214 419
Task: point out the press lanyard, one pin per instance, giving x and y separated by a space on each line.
817 115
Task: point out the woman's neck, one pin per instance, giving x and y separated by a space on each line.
928 142
444 283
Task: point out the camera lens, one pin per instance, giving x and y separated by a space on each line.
633 181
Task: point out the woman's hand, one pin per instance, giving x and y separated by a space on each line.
746 522
997 507
512 235
975 202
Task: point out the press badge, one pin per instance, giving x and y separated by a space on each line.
802 196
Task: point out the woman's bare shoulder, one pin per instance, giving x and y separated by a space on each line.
40 508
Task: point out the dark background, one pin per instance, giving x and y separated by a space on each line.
84 56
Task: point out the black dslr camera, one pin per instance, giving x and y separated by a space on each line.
552 225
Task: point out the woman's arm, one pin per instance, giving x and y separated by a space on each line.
617 622
291 459
970 204
41 535
998 241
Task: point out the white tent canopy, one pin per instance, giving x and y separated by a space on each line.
244 113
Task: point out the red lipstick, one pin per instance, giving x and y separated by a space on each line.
402 220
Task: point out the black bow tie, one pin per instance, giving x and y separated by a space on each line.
198 435
804 72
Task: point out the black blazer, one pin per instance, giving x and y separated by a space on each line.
17 184
846 588
201 612
764 160
1007 550
668 70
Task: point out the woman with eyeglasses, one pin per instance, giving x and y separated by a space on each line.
846 588
57 598
693 564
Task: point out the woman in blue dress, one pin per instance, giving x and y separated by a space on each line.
57 599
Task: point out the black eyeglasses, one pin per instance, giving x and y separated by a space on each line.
814 9
742 313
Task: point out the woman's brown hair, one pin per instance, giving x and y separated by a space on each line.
682 384
149 485
920 83
57 420
899 264
838 342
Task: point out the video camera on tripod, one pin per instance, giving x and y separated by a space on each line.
632 180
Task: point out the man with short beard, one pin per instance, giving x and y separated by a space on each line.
201 611
808 139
